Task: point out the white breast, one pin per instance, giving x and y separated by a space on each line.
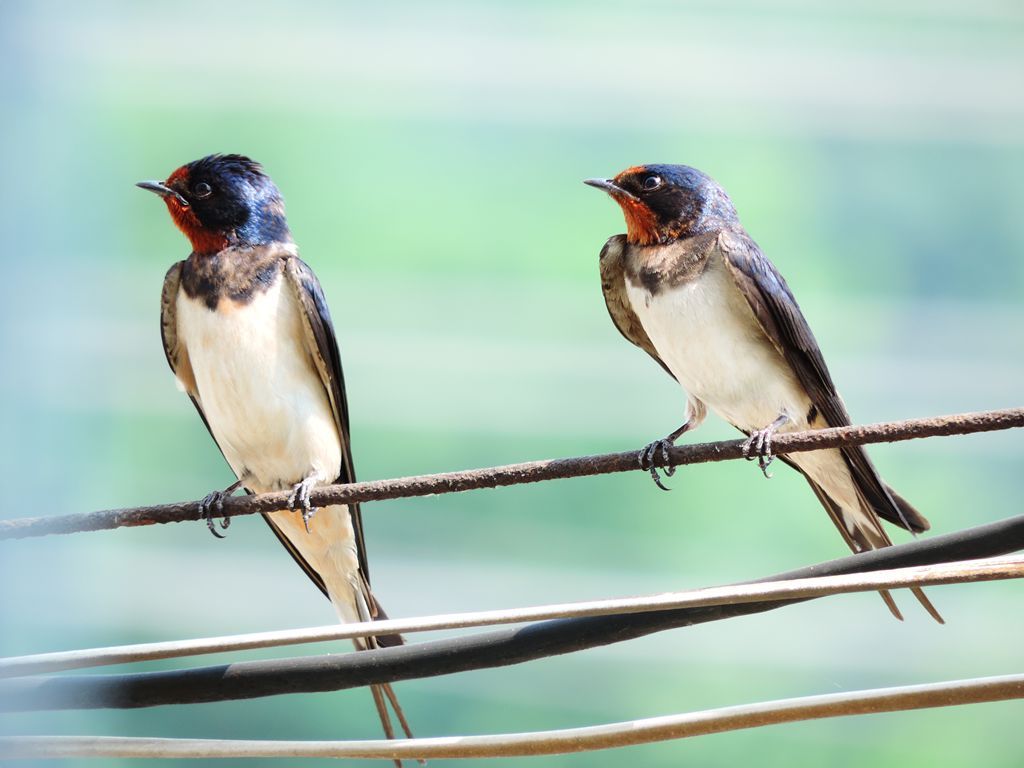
262 397
707 335
709 338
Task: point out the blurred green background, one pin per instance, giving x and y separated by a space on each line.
431 158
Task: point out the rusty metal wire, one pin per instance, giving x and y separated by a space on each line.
567 628
516 474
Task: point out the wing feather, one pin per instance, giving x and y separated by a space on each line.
780 317
613 285
323 348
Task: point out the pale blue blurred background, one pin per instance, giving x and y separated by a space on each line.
431 158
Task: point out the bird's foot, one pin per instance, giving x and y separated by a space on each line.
299 500
212 506
759 445
647 458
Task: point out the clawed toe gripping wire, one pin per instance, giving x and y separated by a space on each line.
579 626
516 474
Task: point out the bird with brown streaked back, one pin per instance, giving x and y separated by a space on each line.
690 287
249 337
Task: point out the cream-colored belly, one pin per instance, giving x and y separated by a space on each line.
261 395
708 337
269 413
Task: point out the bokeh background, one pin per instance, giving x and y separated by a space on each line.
431 158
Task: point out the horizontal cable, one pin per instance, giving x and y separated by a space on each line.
921 576
629 733
496 648
516 474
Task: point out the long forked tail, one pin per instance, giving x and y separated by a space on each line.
344 585
383 694
863 534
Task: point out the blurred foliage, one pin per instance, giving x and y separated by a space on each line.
431 158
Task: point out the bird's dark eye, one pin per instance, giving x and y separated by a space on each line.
651 182
202 189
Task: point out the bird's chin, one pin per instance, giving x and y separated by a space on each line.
204 241
641 223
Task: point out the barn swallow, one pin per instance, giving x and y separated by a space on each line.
690 287
248 335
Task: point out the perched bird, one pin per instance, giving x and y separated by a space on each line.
689 286
247 332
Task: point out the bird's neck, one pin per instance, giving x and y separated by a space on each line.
667 265
236 274
266 225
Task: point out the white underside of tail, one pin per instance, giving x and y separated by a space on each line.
330 548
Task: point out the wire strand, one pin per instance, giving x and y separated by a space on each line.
483 650
516 474
607 736
921 576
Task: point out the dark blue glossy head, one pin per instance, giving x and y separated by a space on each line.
662 203
224 200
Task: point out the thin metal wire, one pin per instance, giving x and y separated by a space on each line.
621 734
771 594
516 474
931 575
498 646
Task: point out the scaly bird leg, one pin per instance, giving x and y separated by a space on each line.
647 456
299 500
760 442
212 506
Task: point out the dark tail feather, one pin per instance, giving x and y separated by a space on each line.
923 599
861 542
384 693
382 713
384 641
393 698
856 544
369 609
918 522
877 495
891 604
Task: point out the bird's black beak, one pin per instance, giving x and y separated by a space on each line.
162 189
610 187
